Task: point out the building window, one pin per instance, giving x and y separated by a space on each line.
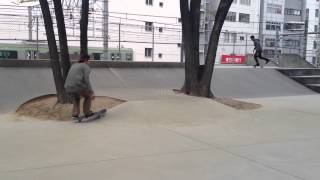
315 28
234 37
226 37
244 17
293 26
291 43
161 4
179 20
241 38
149 2
245 2
273 26
179 44
160 55
270 42
317 13
274 8
314 45
314 60
148 52
231 16
230 37
293 12
160 29
148 26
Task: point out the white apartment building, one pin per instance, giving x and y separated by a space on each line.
312 17
273 23
152 28
242 21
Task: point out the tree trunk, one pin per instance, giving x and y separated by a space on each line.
198 78
191 49
84 26
53 51
64 52
220 17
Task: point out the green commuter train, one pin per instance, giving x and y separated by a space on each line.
24 51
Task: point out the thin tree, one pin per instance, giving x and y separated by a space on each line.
198 78
63 42
84 26
53 52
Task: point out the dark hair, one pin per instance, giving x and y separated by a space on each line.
251 37
83 57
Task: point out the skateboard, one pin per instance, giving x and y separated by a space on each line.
95 116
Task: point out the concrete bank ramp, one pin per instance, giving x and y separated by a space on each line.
21 84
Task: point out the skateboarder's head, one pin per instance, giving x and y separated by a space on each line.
252 37
84 58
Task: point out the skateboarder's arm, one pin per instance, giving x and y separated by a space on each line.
87 79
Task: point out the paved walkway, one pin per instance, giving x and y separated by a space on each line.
173 138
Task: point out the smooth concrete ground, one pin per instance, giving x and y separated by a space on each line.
159 135
174 137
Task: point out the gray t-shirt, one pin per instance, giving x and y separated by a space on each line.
257 45
78 78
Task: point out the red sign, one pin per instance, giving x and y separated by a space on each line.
230 59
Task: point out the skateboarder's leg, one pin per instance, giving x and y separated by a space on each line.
256 58
76 104
87 103
261 57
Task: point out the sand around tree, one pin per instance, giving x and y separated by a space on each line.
236 104
46 107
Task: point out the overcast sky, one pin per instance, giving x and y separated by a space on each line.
6 1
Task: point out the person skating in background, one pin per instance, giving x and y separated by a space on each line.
258 51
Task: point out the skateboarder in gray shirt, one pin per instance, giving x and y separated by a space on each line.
258 51
78 85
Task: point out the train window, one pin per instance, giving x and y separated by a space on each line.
129 57
4 54
112 56
96 56
118 56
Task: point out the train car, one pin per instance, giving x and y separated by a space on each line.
24 51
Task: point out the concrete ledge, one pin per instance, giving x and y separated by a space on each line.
94 64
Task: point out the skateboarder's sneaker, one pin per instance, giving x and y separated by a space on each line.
75 117
256 65
89 115
267 61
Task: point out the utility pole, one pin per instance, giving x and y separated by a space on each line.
152 42
261 26
37 53
119 41
306 26
318 41
105 30
30 22
246 49
234 36
276 46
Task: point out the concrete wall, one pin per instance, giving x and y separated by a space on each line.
285 60
21 84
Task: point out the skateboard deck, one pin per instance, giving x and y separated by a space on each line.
95 116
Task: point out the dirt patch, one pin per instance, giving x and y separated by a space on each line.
240 105
236 104
46 107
